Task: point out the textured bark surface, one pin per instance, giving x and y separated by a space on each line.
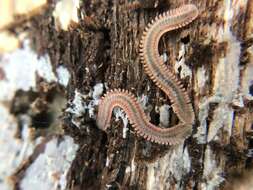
212 57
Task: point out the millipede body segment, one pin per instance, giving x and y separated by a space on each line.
163 78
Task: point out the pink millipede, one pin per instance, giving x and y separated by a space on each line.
162 77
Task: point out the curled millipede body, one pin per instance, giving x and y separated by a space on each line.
163 78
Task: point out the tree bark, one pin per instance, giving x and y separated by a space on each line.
211 56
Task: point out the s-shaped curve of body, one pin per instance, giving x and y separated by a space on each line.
163 78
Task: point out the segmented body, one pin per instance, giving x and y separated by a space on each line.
163 78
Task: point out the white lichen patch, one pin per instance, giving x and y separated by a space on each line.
20 68
226 83
175 165
13 150
120 114
164 115
201 134
204 104
96 94
223 117
143 100
180 63
45 70
212 172
63 75
97 91
226 89
164 57
50 168
201 79
79 105
66 12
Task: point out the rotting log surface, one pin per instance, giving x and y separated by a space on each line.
103 47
